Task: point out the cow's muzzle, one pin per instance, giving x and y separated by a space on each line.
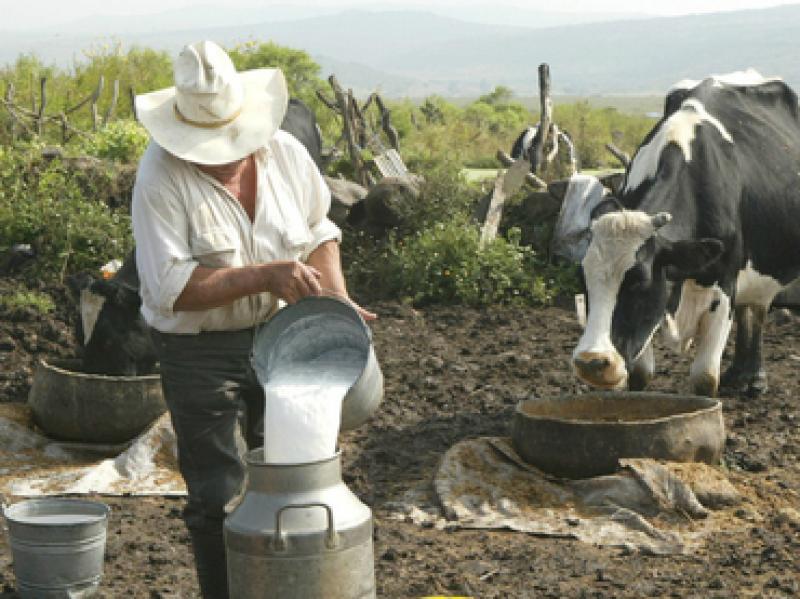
601 369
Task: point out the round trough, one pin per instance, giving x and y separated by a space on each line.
579 436
92 408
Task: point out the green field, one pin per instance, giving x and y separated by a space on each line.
476 175
626 104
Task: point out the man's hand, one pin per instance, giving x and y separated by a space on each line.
291 280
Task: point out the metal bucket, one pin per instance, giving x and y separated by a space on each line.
299 333
57 546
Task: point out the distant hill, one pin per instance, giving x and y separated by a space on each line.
413 53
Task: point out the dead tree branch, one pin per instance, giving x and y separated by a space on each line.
623 157
346 112
530 178
386 123
42 105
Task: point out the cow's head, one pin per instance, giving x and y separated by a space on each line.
579 196
626 268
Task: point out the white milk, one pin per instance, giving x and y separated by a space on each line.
304 405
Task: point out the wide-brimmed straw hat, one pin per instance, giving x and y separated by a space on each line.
213 114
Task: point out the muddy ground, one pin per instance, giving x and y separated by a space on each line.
453 373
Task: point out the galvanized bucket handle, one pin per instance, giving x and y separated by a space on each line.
331 538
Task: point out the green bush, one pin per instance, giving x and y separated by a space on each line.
47 204
119 141
445 264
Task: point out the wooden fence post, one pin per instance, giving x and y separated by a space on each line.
42 105
113 105
546 117
95 97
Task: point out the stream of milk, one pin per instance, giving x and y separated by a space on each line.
303 406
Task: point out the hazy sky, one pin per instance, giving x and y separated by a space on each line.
20 14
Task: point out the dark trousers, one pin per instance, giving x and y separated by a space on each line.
217 409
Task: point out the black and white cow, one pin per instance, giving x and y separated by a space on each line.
710 207
524 144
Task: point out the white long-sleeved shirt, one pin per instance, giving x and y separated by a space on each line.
183 217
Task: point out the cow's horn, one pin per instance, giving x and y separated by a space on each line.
660 219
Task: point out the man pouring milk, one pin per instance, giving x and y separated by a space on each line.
229 217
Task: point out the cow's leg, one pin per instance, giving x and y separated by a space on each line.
735 377
746 375
642 370
712 334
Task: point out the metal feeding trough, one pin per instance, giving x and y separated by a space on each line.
93 408
579 436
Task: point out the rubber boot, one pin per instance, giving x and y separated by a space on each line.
212 569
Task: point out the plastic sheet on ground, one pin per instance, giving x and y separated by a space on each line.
33 465
658 508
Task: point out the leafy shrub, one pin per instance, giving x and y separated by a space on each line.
444 195
445 264
47 205
120 141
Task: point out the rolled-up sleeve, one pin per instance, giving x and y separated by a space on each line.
163 256
319 200
316 198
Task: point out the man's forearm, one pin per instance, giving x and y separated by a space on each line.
214 287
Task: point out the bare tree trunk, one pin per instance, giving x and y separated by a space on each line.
546 105
132 96
494 213
95 98
358 123
64 131
8 102
111 107
359 167
42 105
619 154
386 123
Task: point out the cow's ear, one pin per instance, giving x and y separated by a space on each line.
686 258
606 205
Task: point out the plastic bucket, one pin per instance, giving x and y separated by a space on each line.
57 546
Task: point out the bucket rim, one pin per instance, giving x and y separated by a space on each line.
96 511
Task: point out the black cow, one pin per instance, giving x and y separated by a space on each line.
301 122
115 336
710 204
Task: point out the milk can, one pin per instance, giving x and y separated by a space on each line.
299 532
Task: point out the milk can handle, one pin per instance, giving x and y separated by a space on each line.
330 540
